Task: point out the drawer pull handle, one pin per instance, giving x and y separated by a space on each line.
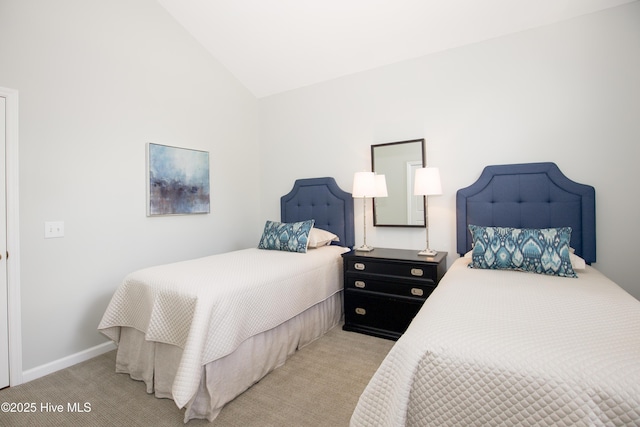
360 284
417 272
359 266
417 292
361 311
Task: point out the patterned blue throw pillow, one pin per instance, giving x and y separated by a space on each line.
292 237
542 251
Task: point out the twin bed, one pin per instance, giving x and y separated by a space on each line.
203 331
492 345
495 345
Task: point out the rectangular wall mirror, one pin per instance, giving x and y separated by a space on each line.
398 162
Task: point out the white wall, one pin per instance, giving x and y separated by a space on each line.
565 93
97 80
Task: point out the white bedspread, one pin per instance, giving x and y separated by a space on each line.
209 306
512 348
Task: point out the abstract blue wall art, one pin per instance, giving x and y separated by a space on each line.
178 180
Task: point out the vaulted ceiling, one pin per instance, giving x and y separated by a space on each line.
273 46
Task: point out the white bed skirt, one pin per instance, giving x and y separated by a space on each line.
224 379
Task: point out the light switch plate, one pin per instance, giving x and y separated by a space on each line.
53 229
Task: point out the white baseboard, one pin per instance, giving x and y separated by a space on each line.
65 362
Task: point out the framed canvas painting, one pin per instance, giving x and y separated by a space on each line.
178 180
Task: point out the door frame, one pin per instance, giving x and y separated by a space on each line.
414 203
13 237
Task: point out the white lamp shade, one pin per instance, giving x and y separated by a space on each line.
364 184
381 186
427 182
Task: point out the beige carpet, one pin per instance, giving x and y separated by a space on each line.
318 386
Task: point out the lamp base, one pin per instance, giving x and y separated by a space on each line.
364 248
428 252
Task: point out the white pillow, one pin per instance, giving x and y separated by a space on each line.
576 262
319 237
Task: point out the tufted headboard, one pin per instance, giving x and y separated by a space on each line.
531 195
322 200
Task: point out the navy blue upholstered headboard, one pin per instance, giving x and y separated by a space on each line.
532 195
322 200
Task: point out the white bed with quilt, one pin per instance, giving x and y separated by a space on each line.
203 331
521 330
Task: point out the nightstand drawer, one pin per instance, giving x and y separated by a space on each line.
406 288
385 288
400 269
380 312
